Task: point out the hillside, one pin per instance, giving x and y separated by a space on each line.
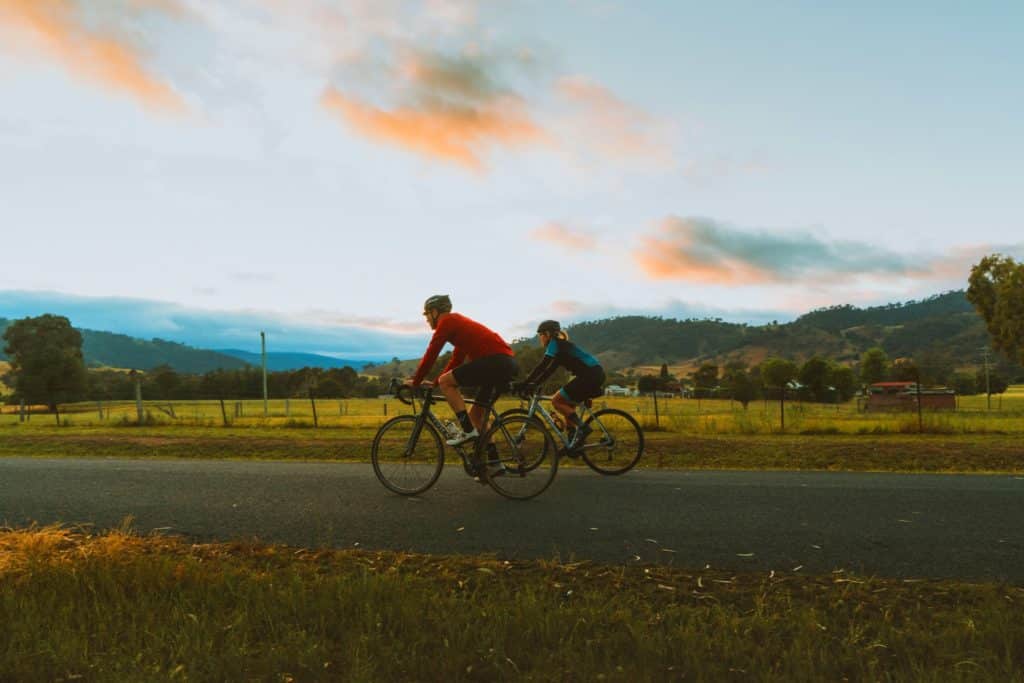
944 324
280 360
121 351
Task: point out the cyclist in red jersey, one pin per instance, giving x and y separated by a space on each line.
481 358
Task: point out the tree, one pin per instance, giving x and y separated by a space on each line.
815 376
843 379
965 384
994 383
705 378
874 366
996 289
740 384
664 377
46 360
777 372
165 380
647 384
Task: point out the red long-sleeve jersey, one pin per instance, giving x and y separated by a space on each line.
470 339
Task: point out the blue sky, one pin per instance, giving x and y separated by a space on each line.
324 166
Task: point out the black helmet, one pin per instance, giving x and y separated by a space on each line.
549 327
442 302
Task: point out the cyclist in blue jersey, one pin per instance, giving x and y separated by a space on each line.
587 381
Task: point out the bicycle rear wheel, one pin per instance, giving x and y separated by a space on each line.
615 444
527 456
406 462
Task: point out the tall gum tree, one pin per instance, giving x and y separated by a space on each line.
996 289
46 360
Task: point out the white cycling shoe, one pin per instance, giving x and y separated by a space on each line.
463 438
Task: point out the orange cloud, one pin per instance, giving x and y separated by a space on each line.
701 250
58 30
557 233
449 108
450 134
604 123
668 259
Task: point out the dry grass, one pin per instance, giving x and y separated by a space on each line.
116 606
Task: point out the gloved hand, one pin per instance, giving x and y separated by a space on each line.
526 390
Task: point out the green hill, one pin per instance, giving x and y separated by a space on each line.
944 324
121 351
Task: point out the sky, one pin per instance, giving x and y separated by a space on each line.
201 169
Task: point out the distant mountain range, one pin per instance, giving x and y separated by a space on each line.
283 360
943 325
109 349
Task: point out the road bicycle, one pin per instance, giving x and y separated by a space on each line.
516 456
614 445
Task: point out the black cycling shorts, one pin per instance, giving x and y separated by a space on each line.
588 384
490 373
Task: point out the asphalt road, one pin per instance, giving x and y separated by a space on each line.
894 525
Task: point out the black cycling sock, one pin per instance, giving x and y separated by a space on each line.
463 417
575 421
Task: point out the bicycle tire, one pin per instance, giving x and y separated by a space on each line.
527 473
630 446
391 461
523 411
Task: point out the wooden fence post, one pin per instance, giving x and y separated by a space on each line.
312 402
138 398
224 412
21 411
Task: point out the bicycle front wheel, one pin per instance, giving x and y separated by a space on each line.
524 461
405 461
615 444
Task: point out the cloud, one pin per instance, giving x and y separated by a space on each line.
452 108
99 45
704 251
314 332
600 123
701 250
566 237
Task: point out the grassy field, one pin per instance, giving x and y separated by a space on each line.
687 434
683 416
117 607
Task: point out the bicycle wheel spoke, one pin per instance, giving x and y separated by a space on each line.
525 462
616 444
405 462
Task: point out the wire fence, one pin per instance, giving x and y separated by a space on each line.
973 414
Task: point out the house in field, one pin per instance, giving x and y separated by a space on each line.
905 395
616 390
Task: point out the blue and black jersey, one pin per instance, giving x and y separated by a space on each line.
563 353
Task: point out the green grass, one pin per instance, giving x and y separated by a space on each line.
118 607
980 453
707 417
687 434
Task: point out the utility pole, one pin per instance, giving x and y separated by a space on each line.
263 356
988 383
